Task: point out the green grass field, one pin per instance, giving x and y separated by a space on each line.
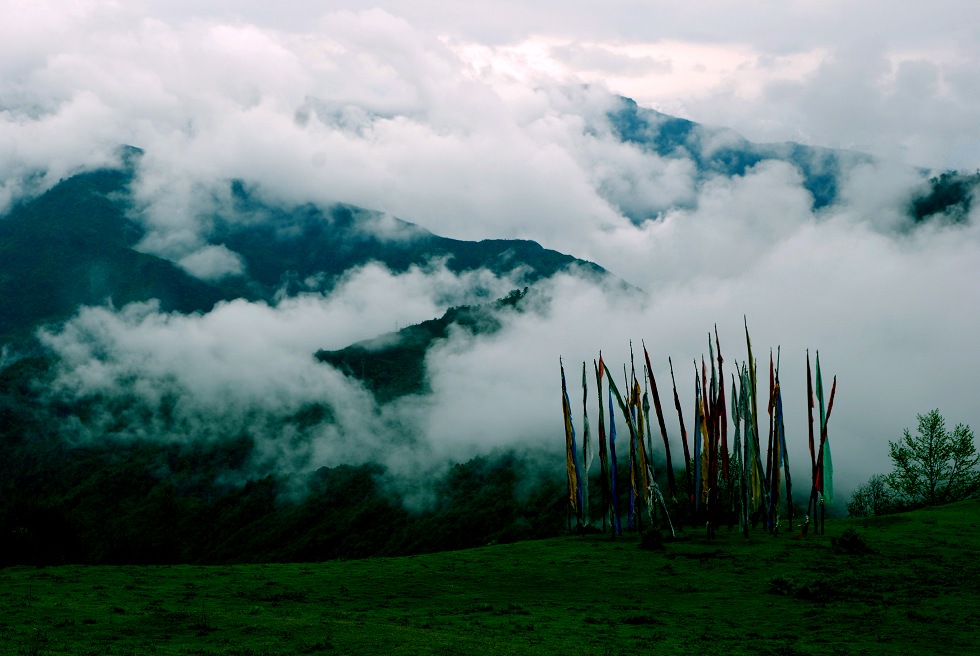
917 592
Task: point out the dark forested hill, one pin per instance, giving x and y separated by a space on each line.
74 246
393 365
79 244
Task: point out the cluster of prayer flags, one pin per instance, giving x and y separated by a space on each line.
723 483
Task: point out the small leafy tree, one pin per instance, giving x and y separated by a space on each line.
872 498
935 466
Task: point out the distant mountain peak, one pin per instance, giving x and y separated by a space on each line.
721 151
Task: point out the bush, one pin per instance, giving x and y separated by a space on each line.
652 540
780 585
850 543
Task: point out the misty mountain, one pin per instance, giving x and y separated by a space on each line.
114 423
720 151
151 501
309 247
75 245
78 244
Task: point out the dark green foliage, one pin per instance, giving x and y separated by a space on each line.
872 499
288 248
935 466
145 502
780 585
113 497
642 619
74 245
850 543
652 540
820 589
107 497
950 194
285 247
107 505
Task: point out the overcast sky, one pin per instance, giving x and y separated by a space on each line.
472 120
899 78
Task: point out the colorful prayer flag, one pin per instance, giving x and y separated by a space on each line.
571 456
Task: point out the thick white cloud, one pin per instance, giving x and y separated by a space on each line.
245 368
472 121
887 316
213 263
393 108
887 312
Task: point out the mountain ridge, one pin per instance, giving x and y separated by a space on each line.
77 244
393 364
727 152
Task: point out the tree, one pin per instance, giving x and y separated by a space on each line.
936 466
872 498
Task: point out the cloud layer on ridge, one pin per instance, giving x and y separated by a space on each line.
381 109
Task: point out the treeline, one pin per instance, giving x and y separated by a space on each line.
152 503
933 467
118 501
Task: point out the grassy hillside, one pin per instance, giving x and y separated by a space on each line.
916 591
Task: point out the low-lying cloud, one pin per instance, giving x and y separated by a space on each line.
882 309
374 109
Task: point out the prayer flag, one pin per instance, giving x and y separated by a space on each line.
671 484
571 456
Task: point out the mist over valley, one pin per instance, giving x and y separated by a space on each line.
292 293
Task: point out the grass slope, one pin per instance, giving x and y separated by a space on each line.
916 592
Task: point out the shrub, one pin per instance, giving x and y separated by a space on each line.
850 543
